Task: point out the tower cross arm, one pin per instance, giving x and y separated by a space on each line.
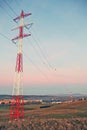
22 15
18 37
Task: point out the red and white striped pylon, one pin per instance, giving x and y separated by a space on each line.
17 102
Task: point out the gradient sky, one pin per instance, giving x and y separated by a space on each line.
55 55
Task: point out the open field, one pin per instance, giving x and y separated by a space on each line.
65 116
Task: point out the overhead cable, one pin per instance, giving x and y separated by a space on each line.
10 7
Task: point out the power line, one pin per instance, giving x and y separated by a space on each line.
6 12
50 66
28 28
28 58
4 36
37 52
38 68
10 7
42 53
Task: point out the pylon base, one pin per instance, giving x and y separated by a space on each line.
17 108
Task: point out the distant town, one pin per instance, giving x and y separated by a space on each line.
44 99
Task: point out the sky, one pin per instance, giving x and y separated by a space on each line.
55 55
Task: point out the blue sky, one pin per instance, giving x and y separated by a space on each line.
54 55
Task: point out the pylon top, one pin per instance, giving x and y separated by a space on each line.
21 35
22 15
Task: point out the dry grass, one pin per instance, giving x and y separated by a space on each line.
46 124
66 116
61 110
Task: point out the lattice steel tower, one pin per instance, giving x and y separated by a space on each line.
17 102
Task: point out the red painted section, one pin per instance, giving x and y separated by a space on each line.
17 107
20 32
19 63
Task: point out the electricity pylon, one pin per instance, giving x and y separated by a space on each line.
17 102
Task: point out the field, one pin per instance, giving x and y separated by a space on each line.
65 116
